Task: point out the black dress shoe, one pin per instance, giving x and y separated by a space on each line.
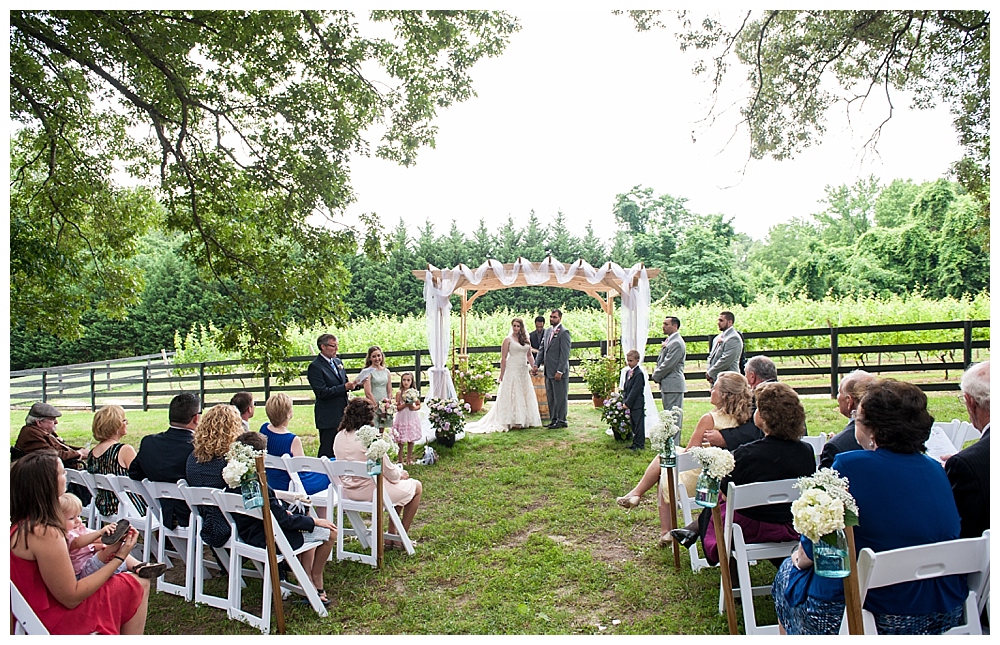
553 424
560 424
684 537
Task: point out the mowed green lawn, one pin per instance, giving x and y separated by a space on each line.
518 533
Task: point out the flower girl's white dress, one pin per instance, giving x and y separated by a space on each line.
515 403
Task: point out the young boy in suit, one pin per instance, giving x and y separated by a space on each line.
633 392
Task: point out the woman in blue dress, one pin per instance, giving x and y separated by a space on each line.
281 442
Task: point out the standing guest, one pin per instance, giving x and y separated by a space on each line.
404 492
669 372
378 385
849 394
40 567
535 337
216 432
243 402
969 470
112 457
554 356
892 425
726 348
329 384
406 428
281 442
39 433
633 397
163 457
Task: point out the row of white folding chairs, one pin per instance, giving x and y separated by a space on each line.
958 432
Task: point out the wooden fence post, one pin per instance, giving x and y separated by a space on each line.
604 348
966 344
416 370
45 382
93 392
107 376
834 363
201 383
145 387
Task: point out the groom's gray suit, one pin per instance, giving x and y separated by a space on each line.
554 355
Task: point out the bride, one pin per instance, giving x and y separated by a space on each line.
515 405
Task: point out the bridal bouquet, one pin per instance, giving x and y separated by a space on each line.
411 396
617 416
664 428
824 506
715 462
384 412
377 443
241 464
447 417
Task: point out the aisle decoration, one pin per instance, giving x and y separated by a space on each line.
377 444
716 463
241 470
661 436
447 417
821 513
616 414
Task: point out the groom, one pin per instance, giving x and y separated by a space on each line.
554 355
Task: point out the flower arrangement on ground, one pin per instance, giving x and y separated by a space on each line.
601 375
384 412
411 396
474 375
241 464
824 506
447 417
616 414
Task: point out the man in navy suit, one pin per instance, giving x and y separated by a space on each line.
633 393
163 457
969 470
329 383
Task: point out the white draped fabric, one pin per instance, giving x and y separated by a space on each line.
635 305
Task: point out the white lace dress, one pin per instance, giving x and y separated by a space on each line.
515 404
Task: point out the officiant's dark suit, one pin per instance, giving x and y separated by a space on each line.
329 383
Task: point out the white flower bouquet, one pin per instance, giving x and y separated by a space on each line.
664 428
241 464
825 505
377 443
411 396
716 462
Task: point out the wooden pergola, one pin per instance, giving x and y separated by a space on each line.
604 292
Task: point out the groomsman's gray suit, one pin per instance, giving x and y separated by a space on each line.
554 355
725 354
669 373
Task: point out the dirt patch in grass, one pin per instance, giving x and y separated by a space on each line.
607 547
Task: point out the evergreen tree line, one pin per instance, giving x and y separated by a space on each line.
869 240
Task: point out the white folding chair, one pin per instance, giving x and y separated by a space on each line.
26 622
196 496
146 523
271 461
748 496
327 499
353 509
103 483
817 444
83 478
231 503
910 564
687 505
958 432
164 490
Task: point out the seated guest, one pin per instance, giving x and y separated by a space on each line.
404 492
969 470
163 457
299 528
243 402
852 388
103 602
759 370
281 442
730 396
779 455
39 433
216 432
892 424
111 457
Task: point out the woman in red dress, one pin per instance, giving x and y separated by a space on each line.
104 602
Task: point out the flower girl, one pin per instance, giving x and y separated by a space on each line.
406 426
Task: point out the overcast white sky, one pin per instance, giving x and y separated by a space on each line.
581 107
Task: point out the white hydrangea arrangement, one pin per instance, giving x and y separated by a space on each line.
716 461
377 443
411 396
241 464
664 428
824 506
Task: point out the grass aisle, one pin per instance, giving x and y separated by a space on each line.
518 533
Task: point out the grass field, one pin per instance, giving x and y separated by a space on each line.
518 533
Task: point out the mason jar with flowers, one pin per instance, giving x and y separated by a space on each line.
825 507
715 463
662 434
474 380
378 443
241 470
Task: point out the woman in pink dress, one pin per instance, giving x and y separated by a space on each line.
406 427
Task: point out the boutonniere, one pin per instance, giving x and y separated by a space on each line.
555 332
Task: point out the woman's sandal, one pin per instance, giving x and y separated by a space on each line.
627 501
149 570
121 528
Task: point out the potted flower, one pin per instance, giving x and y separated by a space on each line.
447 417
616 414
474 379
601 375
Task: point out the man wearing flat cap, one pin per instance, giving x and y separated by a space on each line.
39 433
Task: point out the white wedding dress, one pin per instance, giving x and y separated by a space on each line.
515 404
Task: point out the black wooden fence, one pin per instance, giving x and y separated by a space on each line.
145 383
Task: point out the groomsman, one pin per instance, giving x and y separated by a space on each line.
554 355
669 371
535 337
726 350
329 383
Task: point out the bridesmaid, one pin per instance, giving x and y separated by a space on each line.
378 386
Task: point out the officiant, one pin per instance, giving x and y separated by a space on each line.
329 383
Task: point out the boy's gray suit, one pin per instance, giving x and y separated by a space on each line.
554 355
